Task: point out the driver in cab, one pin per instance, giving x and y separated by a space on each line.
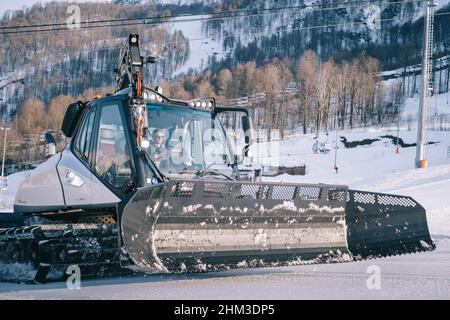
158 151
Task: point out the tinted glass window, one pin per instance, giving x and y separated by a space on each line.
113 159
187 140
83 142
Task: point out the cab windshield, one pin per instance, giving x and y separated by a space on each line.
187 141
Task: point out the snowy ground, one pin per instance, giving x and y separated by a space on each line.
419 276
376 168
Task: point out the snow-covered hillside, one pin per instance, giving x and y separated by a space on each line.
377 167
223 44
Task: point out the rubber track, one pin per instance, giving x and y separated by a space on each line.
50 249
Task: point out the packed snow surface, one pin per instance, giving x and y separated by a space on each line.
374 167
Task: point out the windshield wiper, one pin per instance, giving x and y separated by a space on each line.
203 172
207 171
181 172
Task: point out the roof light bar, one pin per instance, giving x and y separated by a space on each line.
206 104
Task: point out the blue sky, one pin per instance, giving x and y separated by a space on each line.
19 4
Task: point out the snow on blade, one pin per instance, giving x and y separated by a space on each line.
290 206
191 208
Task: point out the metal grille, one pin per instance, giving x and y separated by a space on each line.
308 193
276 192
182 189
368 198
336 194
395 201
283 192
143 196
252 191
215 190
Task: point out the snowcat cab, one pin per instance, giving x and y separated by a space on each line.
151 183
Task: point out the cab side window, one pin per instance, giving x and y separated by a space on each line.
113 159
83 142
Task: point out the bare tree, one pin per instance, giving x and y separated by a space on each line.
56 111
306 74
323 93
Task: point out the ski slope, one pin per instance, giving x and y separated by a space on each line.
419 276
376 167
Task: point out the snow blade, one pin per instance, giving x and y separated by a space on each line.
204 225
384 224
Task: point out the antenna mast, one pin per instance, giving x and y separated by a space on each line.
129 74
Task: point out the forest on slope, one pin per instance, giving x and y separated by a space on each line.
318 79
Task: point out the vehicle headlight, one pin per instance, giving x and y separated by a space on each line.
73 179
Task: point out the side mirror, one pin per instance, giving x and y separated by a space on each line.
247 127
71 118
50 145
